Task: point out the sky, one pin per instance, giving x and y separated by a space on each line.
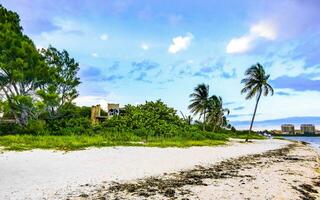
133 51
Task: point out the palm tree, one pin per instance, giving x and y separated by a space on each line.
216 112
256 84
199 101
187 118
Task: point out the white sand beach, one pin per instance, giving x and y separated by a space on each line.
46 174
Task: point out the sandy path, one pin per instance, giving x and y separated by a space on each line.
46 174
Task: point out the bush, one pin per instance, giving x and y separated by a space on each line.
10 129
149 121
35 127
72 126
156 117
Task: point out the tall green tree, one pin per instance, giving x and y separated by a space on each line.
256 84
199 101
22 70
61 87
216 113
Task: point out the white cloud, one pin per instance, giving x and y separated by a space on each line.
245 43
180 43
239 45
265 30
144 46
39 47
103 100
95 55
104 37
90 100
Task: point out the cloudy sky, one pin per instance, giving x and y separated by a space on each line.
132 51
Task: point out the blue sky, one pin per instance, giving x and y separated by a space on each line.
132 51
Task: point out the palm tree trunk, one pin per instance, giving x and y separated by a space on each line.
254 114
204 121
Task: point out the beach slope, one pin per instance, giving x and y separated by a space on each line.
243 170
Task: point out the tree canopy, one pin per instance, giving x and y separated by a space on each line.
209 107
22 70
29 80
60 86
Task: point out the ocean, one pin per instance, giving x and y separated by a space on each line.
314 141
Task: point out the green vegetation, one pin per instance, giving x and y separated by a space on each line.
67 143
76 142
209 108
37 89
26 142
256 84
278 137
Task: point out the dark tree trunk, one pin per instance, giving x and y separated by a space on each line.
254 114
23 118
204 121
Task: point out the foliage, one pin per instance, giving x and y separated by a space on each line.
26 142
209 107
33 83
187 118
256 82
67 143
115 138
199 101
149 119
60 88
216 113
21 68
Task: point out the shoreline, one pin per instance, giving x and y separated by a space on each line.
57 175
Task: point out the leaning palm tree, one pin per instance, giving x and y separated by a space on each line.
199 101
256 84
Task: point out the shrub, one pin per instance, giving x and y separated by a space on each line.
72 126
156 117
35 127
10 129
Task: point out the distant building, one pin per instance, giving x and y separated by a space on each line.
113 109
96 114
307 129
287 129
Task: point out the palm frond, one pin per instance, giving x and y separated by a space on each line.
256 82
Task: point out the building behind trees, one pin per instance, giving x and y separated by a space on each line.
287 129
307 129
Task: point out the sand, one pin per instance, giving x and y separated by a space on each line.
289 177
288 173
44 174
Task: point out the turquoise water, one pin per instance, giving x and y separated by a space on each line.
314 141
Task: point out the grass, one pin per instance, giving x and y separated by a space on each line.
249 136
77 142
279 138
69 143
184 143
27 142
